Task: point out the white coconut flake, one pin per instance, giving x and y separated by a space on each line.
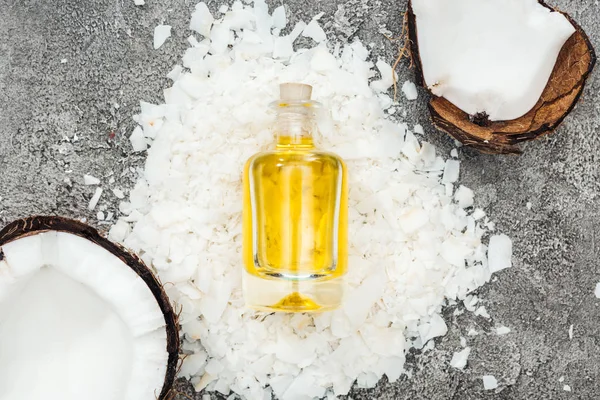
161 34
323 61
478 214
459 359
90 180
413 246
139 2
118 193
202 19
470 302
175 72
489 382
283 48
502 330
451 171
220 38
464 197
194 43
297 31
137 139
314 31
499 253
387 77
481 311
95 199
571 332
119 231
192 363
410 90
597 290
567 388
279 18
432 329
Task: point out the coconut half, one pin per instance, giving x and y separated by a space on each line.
500 71
80 317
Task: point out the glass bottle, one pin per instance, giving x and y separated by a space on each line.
295 215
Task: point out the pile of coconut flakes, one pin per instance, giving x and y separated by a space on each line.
415 239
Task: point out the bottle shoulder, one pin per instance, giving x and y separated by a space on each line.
312 155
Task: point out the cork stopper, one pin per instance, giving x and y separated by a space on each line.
293 92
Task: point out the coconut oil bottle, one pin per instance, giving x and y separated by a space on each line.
295 215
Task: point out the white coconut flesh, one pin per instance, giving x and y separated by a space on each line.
76 323
489 56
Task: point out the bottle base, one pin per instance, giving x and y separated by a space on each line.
285 295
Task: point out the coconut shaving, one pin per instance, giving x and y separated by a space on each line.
415 240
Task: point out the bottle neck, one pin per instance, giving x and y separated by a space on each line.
295 125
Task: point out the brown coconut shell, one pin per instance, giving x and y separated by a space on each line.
34 225
565 86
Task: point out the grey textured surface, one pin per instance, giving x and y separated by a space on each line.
59 117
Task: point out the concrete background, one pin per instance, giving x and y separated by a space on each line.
59 121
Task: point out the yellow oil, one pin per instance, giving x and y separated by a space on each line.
295 227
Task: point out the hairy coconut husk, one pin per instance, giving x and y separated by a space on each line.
34 225
565 86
